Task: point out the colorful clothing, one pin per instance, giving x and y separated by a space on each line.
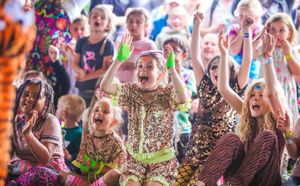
72 140
25 161
215 118
286 79
91 60
150 130
52 28
112 153
255 164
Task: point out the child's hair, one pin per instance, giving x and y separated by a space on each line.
108 14
34 73
74 105
254 6
142 11
285 18
117 112
82 19
157 55
182 43
44 88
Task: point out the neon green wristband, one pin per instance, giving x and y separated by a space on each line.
171 60
93 164
123 53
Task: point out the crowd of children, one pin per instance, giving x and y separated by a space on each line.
179 103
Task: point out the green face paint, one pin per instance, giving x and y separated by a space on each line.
123 53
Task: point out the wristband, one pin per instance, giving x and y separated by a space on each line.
268 61
246 35
289 141
171 60
288 56
123 52
288 135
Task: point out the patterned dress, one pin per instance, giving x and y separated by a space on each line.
214 119
150 134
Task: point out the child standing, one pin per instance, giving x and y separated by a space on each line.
94 53
78 29
102 155
215 117
246 8
286 57
69 111
137 21
150 107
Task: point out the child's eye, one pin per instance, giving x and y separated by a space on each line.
139 66
251 95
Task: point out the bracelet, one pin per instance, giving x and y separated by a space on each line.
288 135
268 61
246 35
289 141
288 56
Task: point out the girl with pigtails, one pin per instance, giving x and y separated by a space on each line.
37 137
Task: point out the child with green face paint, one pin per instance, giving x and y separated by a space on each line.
102 155
150 105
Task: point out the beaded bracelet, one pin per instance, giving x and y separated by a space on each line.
246 35
268 61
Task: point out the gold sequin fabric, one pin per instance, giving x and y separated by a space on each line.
150 117
215 118
112 150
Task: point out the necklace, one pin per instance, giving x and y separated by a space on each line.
99 137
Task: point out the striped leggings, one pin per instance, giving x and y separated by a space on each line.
259 166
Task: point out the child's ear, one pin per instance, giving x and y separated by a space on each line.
184 55
114 122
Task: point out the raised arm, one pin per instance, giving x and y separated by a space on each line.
195 48
124 53
231 97
178 83
243 74
292 61
271 82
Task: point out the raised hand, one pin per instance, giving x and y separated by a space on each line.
223 43
286 46
268 44
284 123
125 49
30 122
248 22
171 57
198 17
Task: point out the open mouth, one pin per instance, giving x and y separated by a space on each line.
98 121
143 79
97 24
255 107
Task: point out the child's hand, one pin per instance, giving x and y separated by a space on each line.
171 56
53 53
67 155
268 44
30 122
223 43
248 22
198 17
125 48
80 75
284 123
286 46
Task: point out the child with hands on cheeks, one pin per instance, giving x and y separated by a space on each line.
102 155
214 117
150 106
37 139
253 155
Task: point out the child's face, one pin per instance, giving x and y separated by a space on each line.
176 21
59 111
243 13
148 73
31 96
136 25
209 47
213 72
77 30
98 21
280 31
102 117
258 102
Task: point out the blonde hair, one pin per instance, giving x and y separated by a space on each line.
181 11
254 6
247 127
73 104
108 14
116 112
285 18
